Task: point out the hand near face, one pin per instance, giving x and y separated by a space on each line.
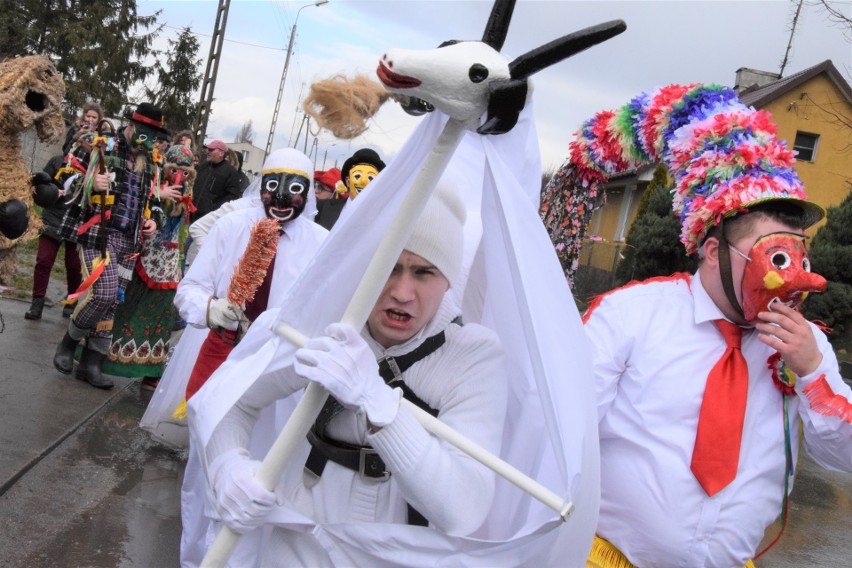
149 227
170 192
791 336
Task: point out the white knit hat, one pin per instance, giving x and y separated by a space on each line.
438 236
288 160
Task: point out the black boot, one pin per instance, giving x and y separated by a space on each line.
67 310
64 358
89 369
36 307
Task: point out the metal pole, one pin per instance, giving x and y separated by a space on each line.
307 132
284 76
281 89
202 116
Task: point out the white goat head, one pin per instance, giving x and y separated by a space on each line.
464 79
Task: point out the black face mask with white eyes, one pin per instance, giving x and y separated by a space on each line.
284 195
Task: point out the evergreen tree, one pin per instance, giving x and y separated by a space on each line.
16 18
178 80
831 256
653 242
98 46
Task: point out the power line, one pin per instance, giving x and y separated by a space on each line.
226 39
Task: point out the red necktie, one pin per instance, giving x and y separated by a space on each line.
720 424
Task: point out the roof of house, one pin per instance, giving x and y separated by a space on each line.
760 96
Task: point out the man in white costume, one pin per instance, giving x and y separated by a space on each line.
456 371
515 287
209 278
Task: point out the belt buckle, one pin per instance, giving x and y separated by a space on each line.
363 454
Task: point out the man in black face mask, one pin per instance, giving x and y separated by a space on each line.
203 295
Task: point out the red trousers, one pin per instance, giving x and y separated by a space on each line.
213 353
46 257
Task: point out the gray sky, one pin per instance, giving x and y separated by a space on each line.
666 42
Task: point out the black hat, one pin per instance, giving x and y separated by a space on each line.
149 115
362 156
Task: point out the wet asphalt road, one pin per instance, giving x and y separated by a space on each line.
82 486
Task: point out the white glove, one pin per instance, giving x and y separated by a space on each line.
342 362
224 314
241 502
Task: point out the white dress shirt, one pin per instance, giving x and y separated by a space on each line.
210 274
655 344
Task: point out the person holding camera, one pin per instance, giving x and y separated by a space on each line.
88 122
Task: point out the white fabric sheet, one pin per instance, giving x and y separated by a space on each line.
517 289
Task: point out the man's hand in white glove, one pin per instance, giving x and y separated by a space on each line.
241 502
342 362
224 314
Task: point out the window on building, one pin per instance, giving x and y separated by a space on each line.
806 146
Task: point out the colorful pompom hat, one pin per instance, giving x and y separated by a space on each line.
179 155
723 155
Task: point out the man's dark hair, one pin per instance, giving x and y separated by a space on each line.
784 212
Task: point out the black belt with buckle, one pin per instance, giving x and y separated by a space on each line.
363 459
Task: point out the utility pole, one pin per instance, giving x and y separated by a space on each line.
314 151
305 118
284 75
203 115
790 43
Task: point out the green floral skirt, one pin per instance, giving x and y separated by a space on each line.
140 333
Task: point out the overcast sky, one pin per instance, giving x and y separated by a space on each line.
677 41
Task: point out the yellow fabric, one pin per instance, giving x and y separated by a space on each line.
180 411
110 199
605 555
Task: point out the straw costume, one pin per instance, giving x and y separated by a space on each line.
31 92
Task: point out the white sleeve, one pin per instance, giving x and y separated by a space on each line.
199 282
604 326
826 411
201 227
434 476
234 431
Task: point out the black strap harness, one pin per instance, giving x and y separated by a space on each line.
725 270
364 459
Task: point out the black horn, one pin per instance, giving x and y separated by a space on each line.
562 48
498 23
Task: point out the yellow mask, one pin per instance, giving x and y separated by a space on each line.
359 177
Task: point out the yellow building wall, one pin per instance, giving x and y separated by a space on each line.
808 108
601 252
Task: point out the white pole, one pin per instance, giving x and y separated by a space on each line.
356 313
503 469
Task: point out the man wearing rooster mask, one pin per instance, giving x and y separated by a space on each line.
108 218
706 381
